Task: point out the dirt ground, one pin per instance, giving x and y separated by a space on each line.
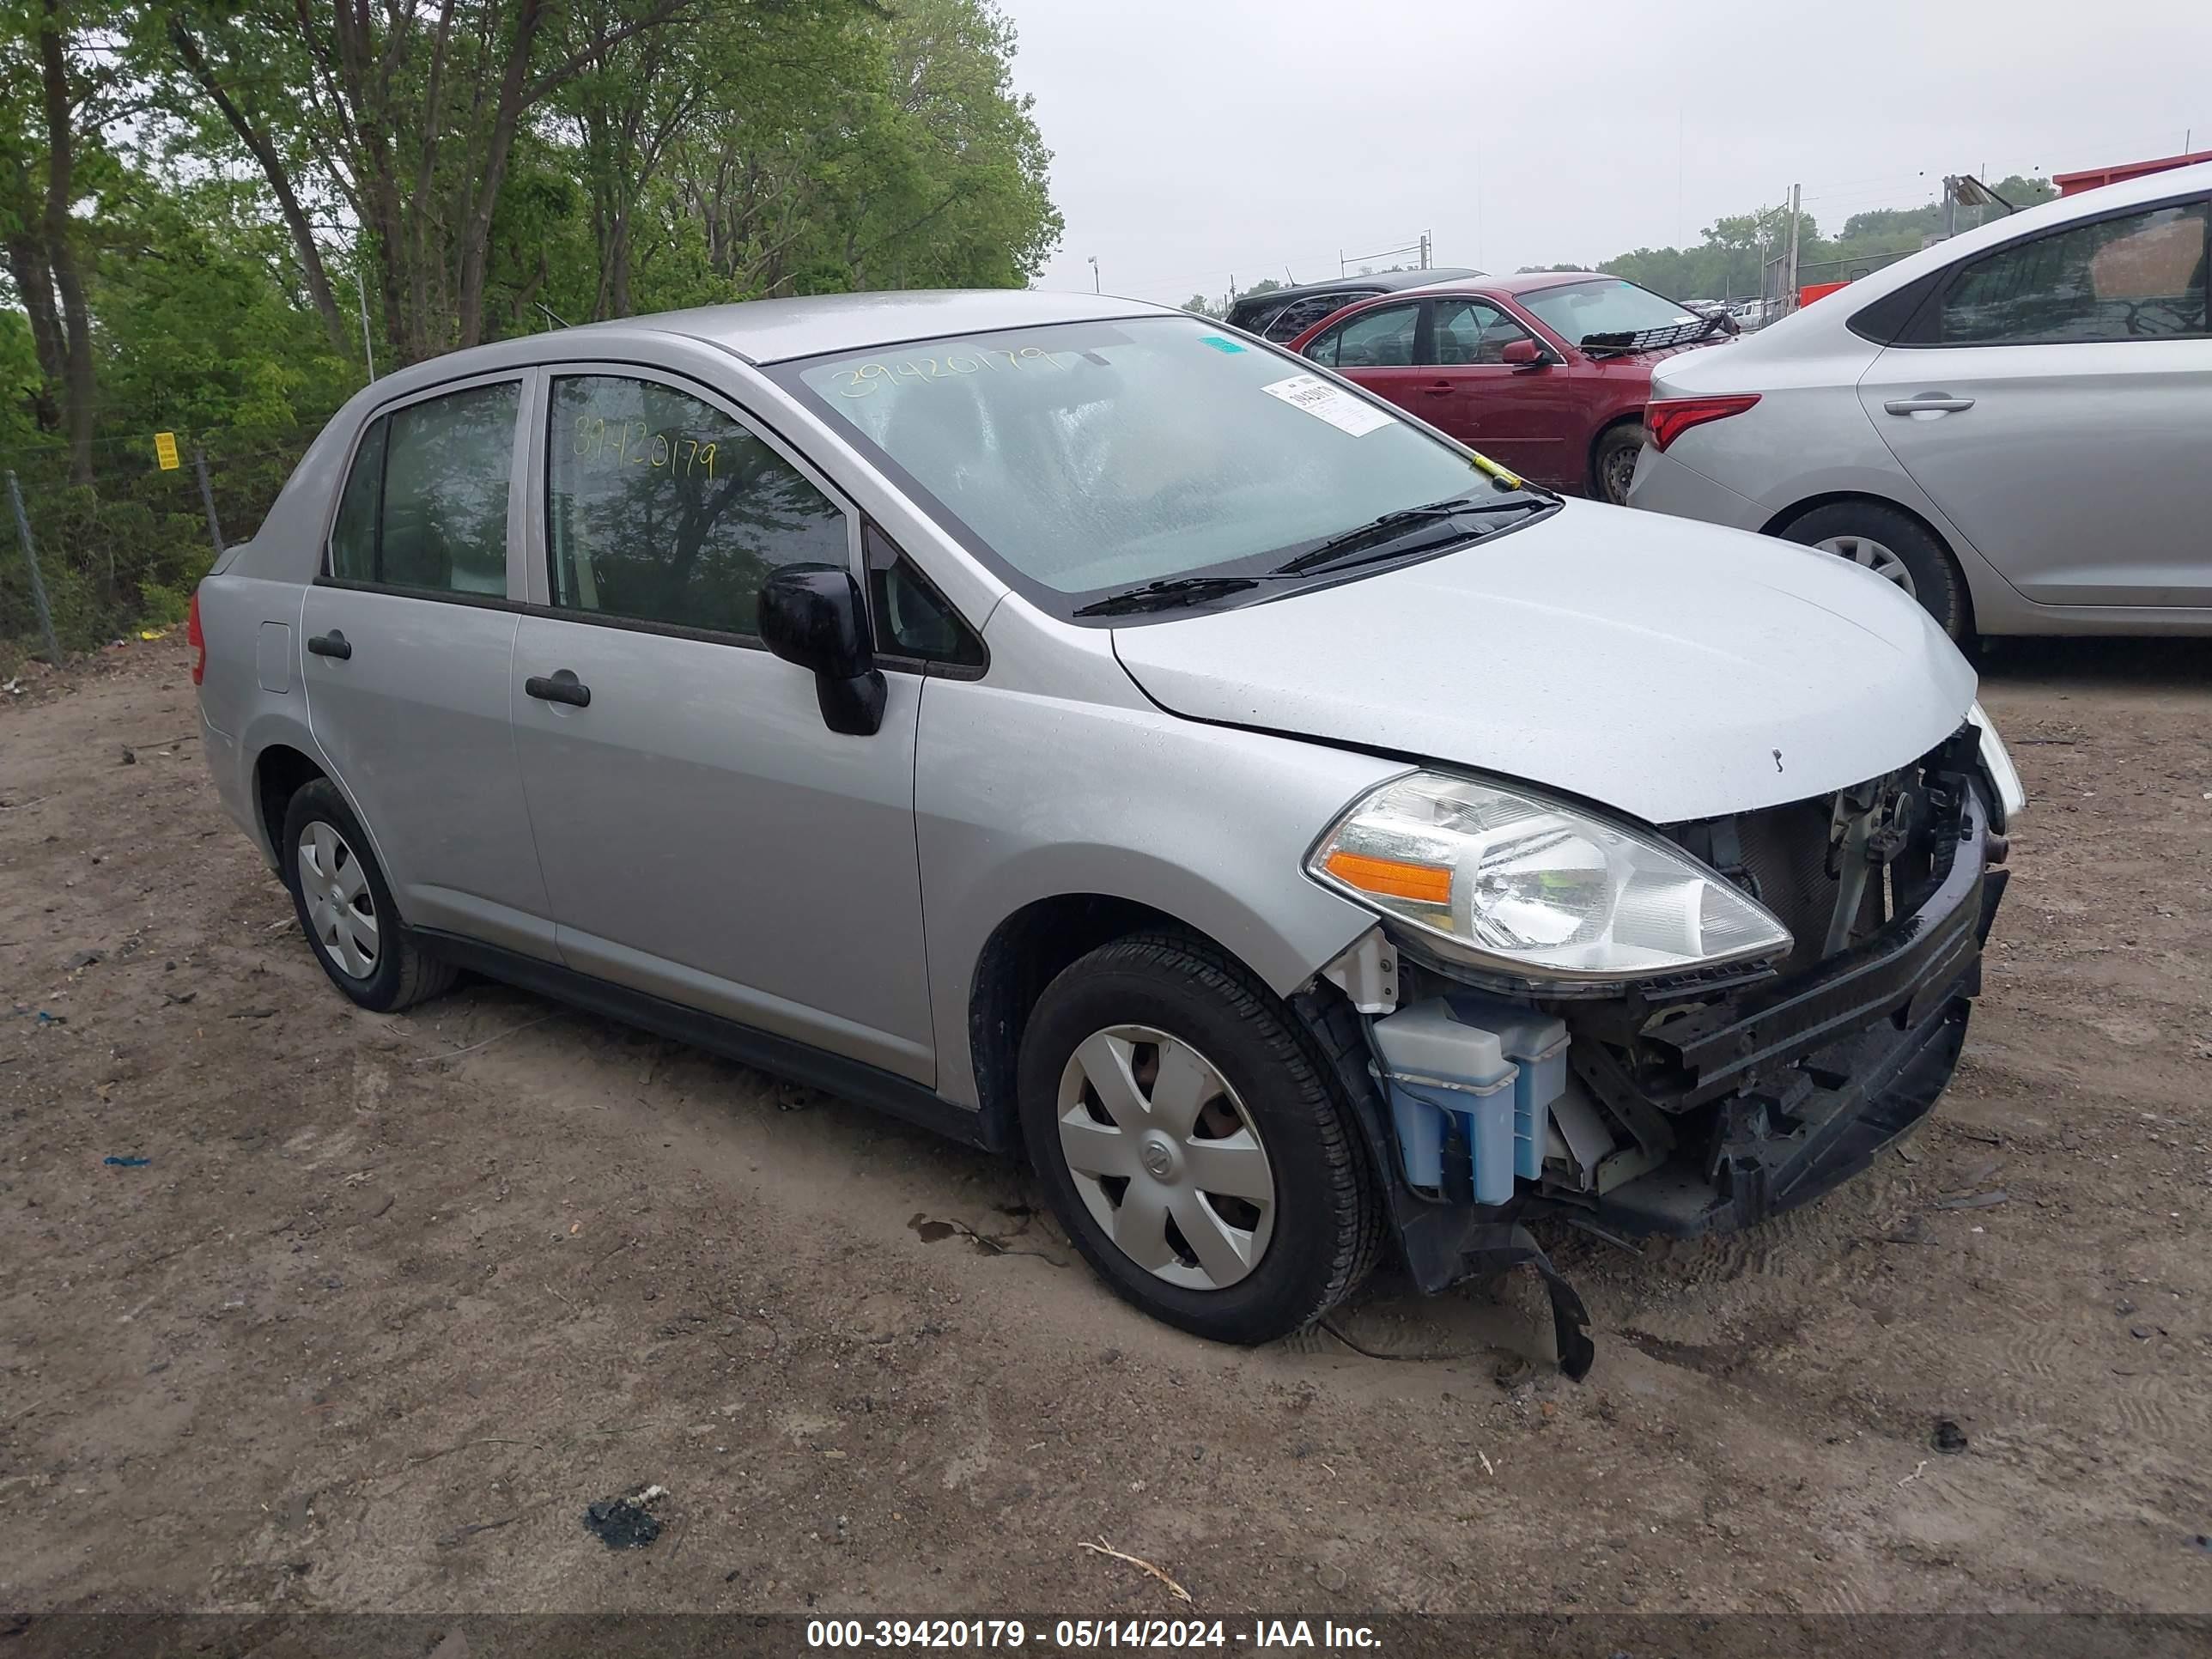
392 1300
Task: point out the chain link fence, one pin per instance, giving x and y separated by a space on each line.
124 551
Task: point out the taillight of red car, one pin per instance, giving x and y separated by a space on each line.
1666 419
195 639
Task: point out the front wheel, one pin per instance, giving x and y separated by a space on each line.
1196 1151
1614 467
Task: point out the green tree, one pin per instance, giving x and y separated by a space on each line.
410 118
57 100
189 189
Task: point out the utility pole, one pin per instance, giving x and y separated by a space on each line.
37 587
1790 300
1950 206
1425 249
361 287
207 499
1094 275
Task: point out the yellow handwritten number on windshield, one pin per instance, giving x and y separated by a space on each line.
862 380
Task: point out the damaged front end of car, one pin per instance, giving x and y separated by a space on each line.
1826 956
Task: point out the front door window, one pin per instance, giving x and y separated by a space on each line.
661 509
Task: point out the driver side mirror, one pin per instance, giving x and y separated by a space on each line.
812 616
1523 354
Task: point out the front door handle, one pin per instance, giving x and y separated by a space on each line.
1934 404
562 686
332 644
1437 388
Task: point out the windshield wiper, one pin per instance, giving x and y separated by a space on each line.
1167 594
1334 550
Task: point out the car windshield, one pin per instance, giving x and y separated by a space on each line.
1576 311
1085 458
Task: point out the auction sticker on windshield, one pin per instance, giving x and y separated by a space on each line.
1332 403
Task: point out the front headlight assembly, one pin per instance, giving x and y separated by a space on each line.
1535 889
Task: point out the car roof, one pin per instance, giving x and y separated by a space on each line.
1512 287
775 330
1378 282
1528 282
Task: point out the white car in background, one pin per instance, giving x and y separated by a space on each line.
2013 426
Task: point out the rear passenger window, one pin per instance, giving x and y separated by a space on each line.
661 509
425 505
1295 317
2141 277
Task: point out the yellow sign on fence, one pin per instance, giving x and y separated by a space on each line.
165 450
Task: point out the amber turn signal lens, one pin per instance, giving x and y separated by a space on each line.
1424 884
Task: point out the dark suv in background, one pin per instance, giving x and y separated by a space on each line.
1283 314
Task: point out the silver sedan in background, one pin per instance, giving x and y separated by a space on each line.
2013 426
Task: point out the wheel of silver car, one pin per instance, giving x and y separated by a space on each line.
1897 547
1165 1158
1865 551
1193 1141
334 890
345 908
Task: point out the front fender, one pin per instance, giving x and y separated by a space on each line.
1020 797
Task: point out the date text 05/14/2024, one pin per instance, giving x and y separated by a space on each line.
1082 1635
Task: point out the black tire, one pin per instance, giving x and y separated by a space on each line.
402 974
1326 1224
1615 464
1937 581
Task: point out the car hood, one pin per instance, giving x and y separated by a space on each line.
1666 668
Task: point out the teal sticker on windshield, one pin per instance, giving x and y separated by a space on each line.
1218 344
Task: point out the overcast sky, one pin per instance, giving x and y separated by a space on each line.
1195 139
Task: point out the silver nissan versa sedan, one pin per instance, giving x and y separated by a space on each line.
1069 725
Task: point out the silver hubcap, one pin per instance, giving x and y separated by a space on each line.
340 910
1165 1157
1864 550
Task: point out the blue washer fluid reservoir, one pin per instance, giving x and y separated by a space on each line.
1435 1064
1536 1043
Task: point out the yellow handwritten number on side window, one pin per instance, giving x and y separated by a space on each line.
633 443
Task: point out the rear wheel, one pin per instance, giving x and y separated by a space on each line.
1895 547
1614 465
1193 1149
345 908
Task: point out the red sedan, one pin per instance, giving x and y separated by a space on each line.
1545 372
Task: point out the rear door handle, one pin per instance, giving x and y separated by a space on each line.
562 686
1437 388
332 644
1932 405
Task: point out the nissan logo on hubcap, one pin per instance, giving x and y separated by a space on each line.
1159 1160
